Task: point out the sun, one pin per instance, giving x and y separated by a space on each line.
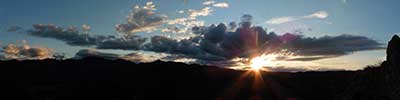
257 63
263 61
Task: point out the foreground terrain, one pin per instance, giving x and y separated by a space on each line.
96 78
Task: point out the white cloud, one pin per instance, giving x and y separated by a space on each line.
215 4
206 11
316 15
281 20
319 15
208 2
221 5
190 19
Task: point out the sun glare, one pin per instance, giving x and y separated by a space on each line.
257 63
260 62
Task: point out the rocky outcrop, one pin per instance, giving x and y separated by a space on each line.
392 73
378 83
393 53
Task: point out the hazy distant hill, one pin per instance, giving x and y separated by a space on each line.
97 78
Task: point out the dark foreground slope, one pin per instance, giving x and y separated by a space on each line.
95 79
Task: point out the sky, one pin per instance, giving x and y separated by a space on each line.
148 28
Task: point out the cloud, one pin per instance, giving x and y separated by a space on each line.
206 11
168 45
208 2
173 29
185 48
296 69
310 58
215 4
85 53
14 28
86 27
24 51
330 45
185 23
71 35
128 43
218 41
221 5
214 40
281 20
316 15
141 19
287 69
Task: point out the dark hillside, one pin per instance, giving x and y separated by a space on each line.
96 78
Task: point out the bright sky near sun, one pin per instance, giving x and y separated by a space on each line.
375 19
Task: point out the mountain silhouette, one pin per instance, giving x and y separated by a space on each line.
94 78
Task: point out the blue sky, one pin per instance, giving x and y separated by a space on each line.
376 19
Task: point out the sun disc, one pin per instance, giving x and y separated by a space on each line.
257 63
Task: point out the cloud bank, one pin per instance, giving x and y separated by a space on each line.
219 42
213 42
247 41
75 37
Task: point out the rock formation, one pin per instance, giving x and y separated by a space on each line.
393 53
378 83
